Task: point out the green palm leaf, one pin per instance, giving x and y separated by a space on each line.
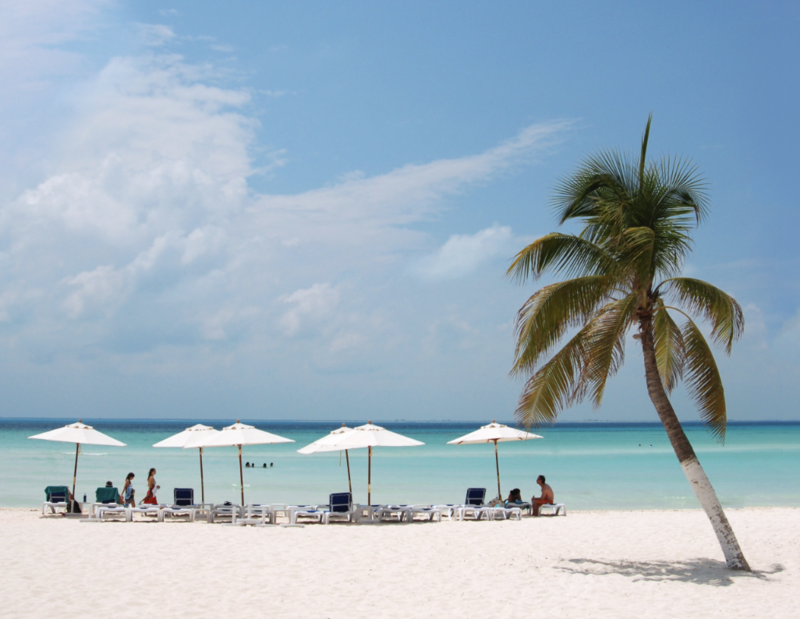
670 355
703 380
605 344
554 386
720 309
567 254
551 311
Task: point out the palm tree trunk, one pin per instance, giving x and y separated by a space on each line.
683 449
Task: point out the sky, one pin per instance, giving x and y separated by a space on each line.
305 210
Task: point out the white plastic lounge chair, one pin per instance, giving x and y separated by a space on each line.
257 514
473 504
106 505
177 510
279 509
340 505
55 498
501 512
392 512
184 505
147 509
428 511
554 508
113 511
305 511
225 511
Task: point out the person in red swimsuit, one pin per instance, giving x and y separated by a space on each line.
152 488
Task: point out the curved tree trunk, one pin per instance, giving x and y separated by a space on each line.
683 449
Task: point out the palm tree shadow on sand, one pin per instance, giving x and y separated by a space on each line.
695 571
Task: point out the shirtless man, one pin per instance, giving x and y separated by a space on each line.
547 497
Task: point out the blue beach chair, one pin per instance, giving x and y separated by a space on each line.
340 505
473 503
55 497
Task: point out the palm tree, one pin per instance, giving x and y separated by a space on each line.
623 271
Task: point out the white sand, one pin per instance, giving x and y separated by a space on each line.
590 564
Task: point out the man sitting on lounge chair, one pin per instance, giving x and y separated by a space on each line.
547 497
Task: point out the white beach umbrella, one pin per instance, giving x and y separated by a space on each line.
80 434
237 435
494 433
330 442
188 438
370 436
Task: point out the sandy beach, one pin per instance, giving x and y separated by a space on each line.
589 564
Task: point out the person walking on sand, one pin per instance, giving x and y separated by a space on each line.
128 492
547 497
152 488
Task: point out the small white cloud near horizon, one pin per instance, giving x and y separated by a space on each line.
463 254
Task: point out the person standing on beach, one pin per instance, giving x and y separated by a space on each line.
128 491
547 497
152 488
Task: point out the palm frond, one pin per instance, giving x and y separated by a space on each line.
554 386
547 315
703 380
605 344
643 156
670 355
719 308
562 253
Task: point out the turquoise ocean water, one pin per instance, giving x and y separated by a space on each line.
590 466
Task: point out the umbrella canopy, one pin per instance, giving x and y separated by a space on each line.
370 436
80 434
494 433
196 434
237 435
330 442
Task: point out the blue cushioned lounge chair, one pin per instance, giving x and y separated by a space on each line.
55 497
340 505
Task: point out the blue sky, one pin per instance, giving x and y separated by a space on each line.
305 210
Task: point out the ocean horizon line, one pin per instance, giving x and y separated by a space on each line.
228 420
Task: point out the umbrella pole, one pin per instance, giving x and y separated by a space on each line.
369 478
497 463
241 474
75 471
202 484
349 483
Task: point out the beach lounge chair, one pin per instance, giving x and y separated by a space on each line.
448 509
428 511
182 505
183 497
503 512
555 508
257 514
55 498
107 504
225 511
473 503
279 509
306 511
147 509
340 505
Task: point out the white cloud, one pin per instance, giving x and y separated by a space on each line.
156 34
310 306
461 255
139 245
